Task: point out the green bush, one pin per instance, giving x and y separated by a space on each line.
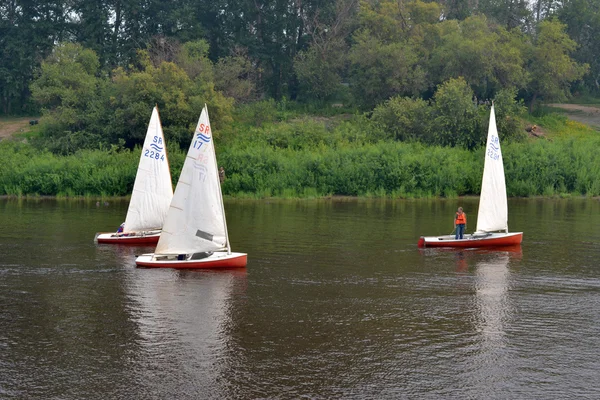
303 158
404 119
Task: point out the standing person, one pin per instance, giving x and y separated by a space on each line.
221 174
460 223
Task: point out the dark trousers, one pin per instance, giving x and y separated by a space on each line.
460 230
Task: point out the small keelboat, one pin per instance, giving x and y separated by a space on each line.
492 217
195 231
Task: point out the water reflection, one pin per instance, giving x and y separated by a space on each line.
491 365
183 319
339 304
461 262
482 288
491 293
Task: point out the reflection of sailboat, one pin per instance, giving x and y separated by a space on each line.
491 290
195 231
461 262
515 252
152 192
493 208
492 311
183 321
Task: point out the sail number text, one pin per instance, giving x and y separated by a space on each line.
157 149
202 136
493 150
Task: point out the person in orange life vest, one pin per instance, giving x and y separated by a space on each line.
460 222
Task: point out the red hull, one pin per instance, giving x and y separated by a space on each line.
229 262
494 240
132 240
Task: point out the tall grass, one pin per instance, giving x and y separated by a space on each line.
310 159
27 170
565 165
380 169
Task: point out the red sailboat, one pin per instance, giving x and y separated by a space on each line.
492 218
195 231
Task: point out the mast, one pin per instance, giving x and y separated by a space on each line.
165 142
220 191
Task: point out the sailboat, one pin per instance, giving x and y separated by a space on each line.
195 231
152 192
492 217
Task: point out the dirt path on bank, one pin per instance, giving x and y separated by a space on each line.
12 126
588 115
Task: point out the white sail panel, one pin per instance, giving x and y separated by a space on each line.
152 190
195 221
493 208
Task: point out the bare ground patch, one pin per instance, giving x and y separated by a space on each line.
588 115
9 127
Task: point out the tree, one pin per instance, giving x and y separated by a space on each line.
28 30
404 119
486 55
66 87
456 121
508 115
509 14
83 110
379 70
68 77
582 20
545 8
458 9
320 68
552 69
319 73
236 77
387 54
179 98
92 29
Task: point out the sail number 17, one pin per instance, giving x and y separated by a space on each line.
202 136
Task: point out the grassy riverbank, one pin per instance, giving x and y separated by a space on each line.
312 160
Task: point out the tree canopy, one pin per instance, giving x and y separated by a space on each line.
95 68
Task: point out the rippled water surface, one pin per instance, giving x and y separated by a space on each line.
336 302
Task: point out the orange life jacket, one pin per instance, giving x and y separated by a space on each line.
461 219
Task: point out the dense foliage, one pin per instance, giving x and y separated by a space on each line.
310 50
307 158
29 171
341 97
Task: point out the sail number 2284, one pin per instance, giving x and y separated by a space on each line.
157 149
154 154
493 150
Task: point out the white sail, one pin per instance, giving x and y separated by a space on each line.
493 208
152 190
196 221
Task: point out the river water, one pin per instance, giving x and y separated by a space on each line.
337 302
